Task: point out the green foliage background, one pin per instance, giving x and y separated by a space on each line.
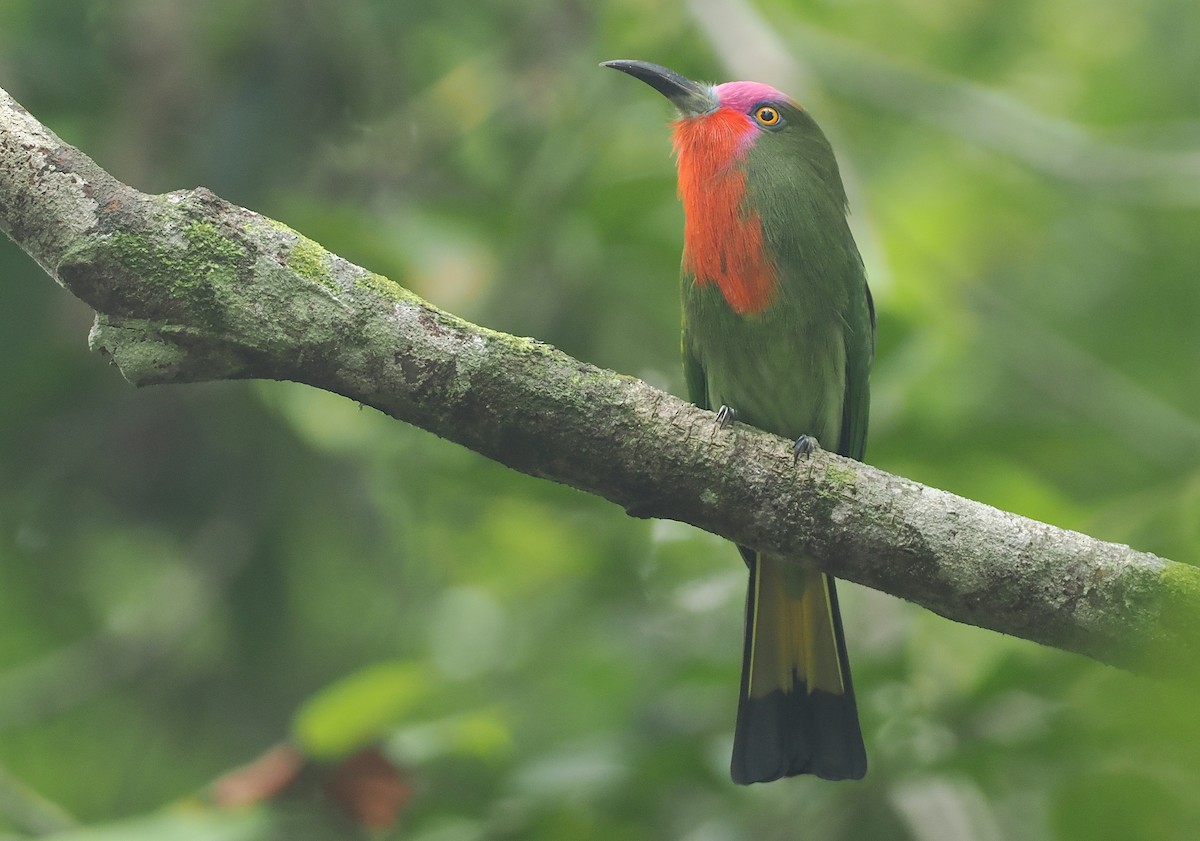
189 575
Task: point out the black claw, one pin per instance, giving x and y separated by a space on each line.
725 417
805 446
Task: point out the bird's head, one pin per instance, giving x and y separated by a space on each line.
753 165
745 112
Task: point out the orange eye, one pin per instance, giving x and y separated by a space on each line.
767 116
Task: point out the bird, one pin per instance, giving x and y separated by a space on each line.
778 333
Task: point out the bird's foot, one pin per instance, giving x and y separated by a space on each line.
805 446
725 417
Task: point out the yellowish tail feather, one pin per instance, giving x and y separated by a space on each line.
796 713
792 637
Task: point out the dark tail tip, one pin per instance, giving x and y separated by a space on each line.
786 734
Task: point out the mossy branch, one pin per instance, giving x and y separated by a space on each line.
187 287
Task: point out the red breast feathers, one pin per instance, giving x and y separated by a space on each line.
723 239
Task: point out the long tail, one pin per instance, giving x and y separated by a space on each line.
796 713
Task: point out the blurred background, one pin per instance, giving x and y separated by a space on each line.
191 576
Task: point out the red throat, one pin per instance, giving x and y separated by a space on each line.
723 241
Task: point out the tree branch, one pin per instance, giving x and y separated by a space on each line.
187 287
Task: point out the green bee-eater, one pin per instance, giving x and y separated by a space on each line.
779 332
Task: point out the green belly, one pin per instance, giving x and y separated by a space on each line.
783 370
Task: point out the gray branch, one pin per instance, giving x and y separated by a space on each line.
187 287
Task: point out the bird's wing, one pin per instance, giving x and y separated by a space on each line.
693 372
860 351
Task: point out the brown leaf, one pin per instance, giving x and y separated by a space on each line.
369 789
260 780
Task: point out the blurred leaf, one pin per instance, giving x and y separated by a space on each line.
369 789
178 826
359 708
259 781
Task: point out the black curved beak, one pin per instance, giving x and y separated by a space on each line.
691 98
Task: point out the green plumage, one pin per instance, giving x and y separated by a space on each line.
798 367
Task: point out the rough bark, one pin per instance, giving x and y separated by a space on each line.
187 287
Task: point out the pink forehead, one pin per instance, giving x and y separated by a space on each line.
740 96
